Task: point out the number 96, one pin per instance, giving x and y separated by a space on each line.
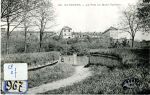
13 85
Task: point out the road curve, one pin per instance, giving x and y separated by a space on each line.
80 74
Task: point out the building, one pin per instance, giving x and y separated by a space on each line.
83 35
80 35
12 27
116 36
111 32
3 29
66 32
115 33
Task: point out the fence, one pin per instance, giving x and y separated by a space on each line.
42 66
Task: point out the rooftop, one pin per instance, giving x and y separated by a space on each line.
111 28
66 27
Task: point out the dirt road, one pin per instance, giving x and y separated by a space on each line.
80 74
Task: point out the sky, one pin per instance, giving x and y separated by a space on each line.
89 15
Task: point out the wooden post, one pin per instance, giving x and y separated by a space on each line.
89 59
74 59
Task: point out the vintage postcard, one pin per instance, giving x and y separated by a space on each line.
75 47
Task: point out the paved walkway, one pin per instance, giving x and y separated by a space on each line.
81 73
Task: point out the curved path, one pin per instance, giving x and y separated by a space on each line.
80 74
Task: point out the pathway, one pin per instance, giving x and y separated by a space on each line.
80 74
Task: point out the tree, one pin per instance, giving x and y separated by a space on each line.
125 43
43 17
27 9
130 22
144 15
26 21
11 11
10 8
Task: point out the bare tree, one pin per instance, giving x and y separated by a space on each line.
44 15
130 22
11 11
16 6
26 22
26 17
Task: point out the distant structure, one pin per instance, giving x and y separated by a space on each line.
117 36
115 33
111 32
3 29
66 32
108 38
11 27
83 35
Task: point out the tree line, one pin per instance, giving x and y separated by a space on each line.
40 14
26 14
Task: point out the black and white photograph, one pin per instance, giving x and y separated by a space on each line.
75 47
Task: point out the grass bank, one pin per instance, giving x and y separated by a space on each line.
49 74
129 57
32 59
135 64
43 75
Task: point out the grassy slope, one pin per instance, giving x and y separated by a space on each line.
44 75
30 58
49 74
107 81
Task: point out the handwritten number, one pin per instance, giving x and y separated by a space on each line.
9 85
20 85
14 85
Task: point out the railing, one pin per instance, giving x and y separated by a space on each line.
100 58
42 66
105 55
